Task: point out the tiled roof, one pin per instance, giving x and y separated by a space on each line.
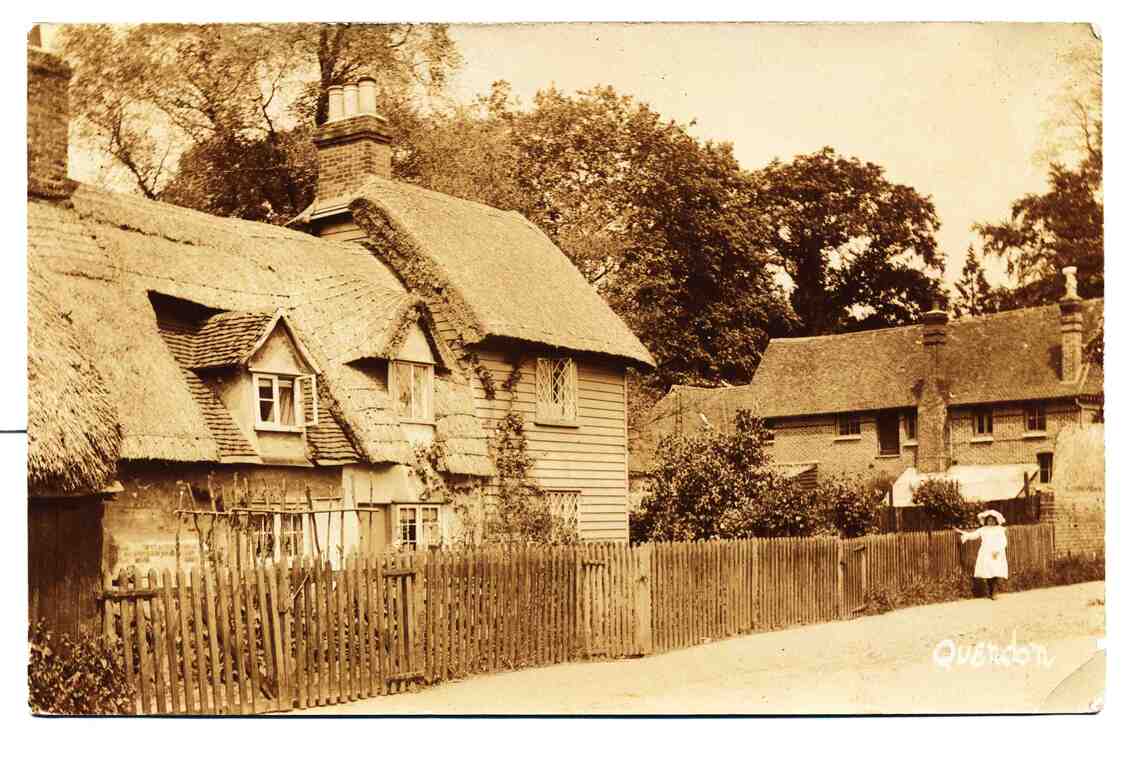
180 338
1008 356
327 438
228 338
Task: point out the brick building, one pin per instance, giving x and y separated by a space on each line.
987 390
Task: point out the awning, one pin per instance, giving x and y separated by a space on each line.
978 483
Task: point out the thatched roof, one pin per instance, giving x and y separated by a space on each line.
108 253
1007 356
1078 459
496 274
73 435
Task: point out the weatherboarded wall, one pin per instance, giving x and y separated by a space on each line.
590 458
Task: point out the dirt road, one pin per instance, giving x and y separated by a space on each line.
876 664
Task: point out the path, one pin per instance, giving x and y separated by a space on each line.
876 664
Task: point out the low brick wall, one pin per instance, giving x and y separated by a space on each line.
1078 522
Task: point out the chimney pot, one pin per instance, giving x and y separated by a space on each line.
351 101
336 103
367 88
1070 273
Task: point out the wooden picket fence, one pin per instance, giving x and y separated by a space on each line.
275 637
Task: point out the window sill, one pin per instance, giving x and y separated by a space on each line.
404 421
1029 434
856 437
894 456
270 427
910 444
556 423
982 440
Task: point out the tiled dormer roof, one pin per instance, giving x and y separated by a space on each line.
228 338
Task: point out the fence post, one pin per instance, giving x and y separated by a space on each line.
643 602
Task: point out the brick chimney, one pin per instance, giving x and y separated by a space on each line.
48 78
354 144
1072 328
933 433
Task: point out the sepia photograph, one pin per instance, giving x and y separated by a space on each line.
565 369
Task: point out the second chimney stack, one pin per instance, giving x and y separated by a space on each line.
354 144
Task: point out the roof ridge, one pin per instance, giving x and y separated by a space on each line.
443 196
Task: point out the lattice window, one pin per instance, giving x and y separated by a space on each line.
261 528
293 534
564 505
910 425
410 387
556 383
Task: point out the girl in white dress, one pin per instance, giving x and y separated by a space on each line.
991 563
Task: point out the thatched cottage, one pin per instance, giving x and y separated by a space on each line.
183 364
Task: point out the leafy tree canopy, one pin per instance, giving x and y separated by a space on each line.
217 116
859 249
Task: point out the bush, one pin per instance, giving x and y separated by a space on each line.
718 486
943 502
82 676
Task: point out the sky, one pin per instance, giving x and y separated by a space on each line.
954 110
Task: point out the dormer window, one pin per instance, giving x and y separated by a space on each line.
410 386
284 402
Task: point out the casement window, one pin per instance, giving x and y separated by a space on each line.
1045 467
910 426
564 505
417 527
277 532
887 426
1035 417
282 402
410 387
847 425
556 383
983 421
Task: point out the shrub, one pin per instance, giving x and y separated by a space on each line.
69 676
717 486
943 502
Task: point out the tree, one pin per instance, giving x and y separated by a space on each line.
665 227
1064 225
859 249
218 114
974 295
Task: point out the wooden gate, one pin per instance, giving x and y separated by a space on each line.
607 598
269 638
854 578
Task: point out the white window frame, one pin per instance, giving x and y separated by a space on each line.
298 383
428 415
1044 475
422 541
984 415
548 409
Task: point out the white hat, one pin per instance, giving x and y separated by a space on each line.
988 513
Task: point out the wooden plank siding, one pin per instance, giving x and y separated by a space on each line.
591 458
